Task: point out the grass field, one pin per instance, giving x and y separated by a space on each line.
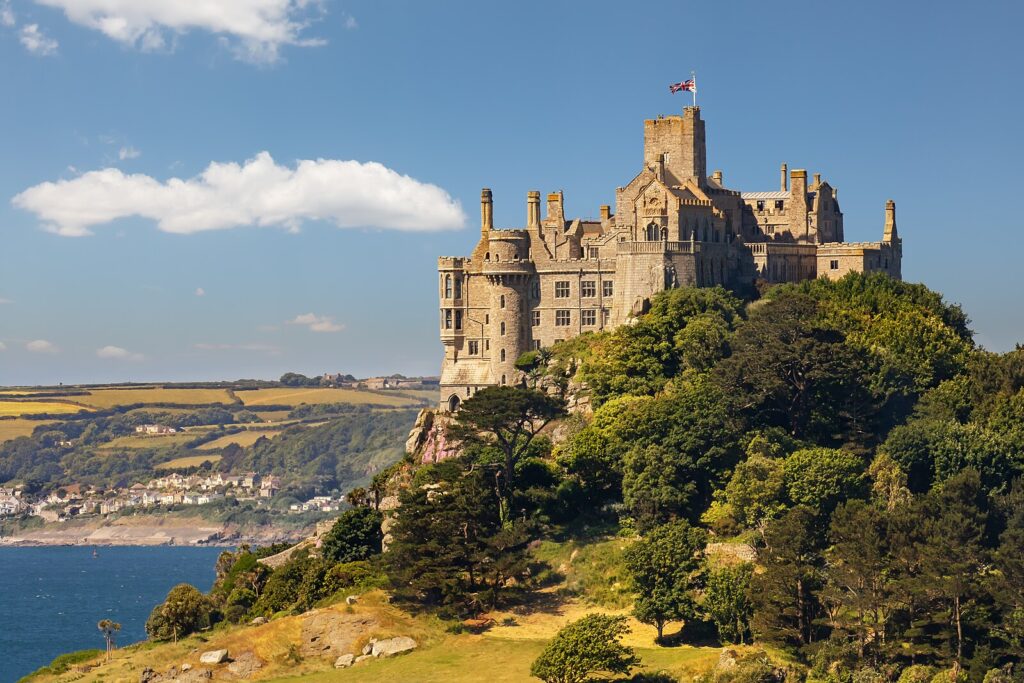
108 398
188 461
246 438
155 441
12 429
314 395
37 407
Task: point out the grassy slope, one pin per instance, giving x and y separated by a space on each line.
502 654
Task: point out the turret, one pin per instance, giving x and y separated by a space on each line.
679 143
890 235
486 211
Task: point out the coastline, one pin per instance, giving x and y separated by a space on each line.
151 531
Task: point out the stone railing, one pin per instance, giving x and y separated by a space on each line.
658 247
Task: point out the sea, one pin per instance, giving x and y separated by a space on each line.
51 598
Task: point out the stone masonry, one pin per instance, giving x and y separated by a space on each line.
674 225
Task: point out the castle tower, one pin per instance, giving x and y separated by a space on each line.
677 142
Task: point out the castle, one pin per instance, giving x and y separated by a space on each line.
674 225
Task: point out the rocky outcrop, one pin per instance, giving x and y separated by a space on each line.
213 657
392 646
427 442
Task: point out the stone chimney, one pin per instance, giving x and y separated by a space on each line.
606 212
533 209
556 208
784 178
890 234
798 203
717 177
486 210
817 180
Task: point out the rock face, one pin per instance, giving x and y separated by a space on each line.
392 646
245 665
332 633
214 657
344 661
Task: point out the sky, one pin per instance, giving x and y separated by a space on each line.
219 189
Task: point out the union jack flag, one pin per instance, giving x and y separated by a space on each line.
683 86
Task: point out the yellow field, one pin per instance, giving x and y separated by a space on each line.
108 398
36 407
272 415
12 429
156 441
246 438
296 396
188 461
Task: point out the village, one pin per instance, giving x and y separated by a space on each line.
75 500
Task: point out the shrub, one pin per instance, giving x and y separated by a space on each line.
587 646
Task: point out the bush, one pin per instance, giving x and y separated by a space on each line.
355 536
183 612
917 673
587 646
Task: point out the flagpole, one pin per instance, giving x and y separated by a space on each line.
693 75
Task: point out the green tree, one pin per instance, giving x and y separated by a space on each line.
585 647
1006 584
784 595
860 592
757 491
109 629
508 418
821 478
727 601
665 572
184 611
355 536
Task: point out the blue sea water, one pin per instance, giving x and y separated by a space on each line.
52 598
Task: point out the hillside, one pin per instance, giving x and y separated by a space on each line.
825 484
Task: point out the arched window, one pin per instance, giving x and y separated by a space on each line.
503 380
453 403
502 354
501 301
503 333
458 287
447 286
653 233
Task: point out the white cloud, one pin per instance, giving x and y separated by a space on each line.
6 14
258 348
317 323
117 353
37 42
200 291
128 152
254 29
41 346
259 192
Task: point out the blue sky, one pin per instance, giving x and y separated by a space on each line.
349 142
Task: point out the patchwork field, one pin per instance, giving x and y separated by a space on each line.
188 461
155 441
246 438
12 429
108 398
315 395
37 407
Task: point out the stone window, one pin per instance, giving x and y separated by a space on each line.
502 357
487 344
448 319
562 289
778 205
588 288
536 344
535 318
503 380
604 317
501 303
447 286
503 329
760 205
833 264
474 348
607 287
562 318
458 287
535 290
458 320
653 232
588 318
592 252
487 318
